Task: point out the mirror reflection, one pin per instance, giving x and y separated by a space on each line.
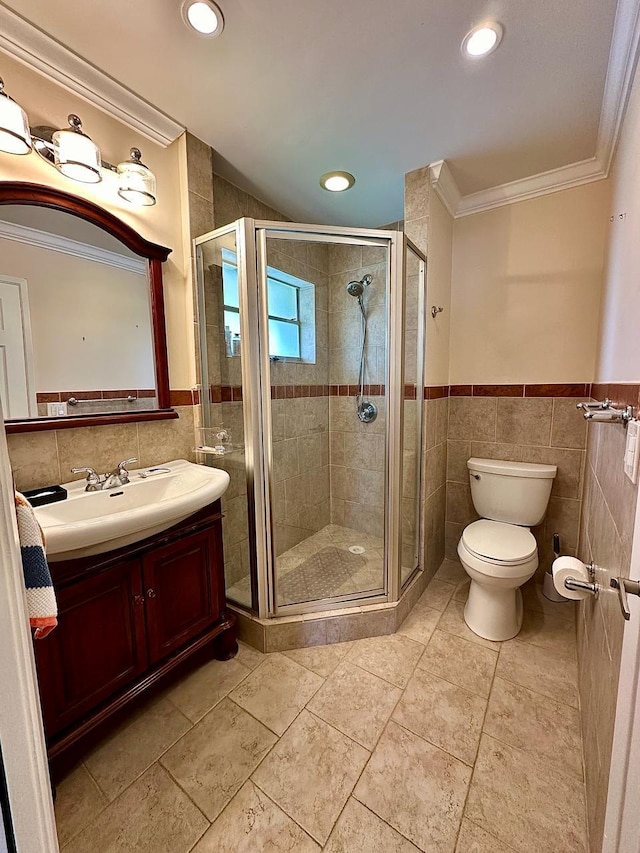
75 318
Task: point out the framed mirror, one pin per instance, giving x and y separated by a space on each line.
82 323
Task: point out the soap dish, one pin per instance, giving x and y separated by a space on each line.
45 495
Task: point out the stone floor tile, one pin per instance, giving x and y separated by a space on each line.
356 703
198 692
420 623
546 671
252 823
78 801
472 839
276 691
218 755
415 787
392 657
310 773
461 662
525 802
320 659
535 724
361 831
548 631
442 713
136 745
152 816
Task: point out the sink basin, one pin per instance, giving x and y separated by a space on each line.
94 522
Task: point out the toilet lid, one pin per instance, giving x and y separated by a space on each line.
499 542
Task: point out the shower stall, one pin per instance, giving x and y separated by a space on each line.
312 359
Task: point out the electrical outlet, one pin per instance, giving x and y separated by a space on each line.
632 450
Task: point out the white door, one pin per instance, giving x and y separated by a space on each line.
17 391
27 799
622 824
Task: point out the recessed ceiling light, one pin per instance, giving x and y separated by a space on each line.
337 182
203 16
483 39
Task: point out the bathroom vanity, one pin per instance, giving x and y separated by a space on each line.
130 619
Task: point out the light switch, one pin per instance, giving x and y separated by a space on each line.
56 410
631 454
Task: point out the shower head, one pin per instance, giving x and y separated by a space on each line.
356 288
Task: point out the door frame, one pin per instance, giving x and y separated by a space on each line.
621 822
21 728
27 339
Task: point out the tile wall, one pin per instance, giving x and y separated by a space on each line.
606 535
547 430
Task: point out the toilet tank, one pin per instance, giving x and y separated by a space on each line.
513 492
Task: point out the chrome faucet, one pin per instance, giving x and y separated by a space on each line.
99 482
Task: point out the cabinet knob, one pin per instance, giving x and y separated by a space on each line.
151 593
138 600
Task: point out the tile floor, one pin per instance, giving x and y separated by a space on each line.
428 740
321 566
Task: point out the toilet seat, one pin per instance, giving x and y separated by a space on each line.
498 543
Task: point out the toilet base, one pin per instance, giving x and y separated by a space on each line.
494 613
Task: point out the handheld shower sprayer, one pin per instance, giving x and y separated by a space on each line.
365 409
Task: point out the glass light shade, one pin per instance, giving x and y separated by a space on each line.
14 126
76 156
137 183
337 182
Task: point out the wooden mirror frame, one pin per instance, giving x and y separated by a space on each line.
38 195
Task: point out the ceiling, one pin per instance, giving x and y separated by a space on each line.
293 89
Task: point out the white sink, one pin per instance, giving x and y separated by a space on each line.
94 522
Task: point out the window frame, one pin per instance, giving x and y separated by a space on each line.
272 275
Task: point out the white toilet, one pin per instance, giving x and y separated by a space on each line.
499 552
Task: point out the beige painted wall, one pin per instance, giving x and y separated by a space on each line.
47 103
90 322
526 289
619 353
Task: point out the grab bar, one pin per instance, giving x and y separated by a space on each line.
73 401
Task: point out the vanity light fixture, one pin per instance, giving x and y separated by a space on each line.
73 153
203 16
337 182
15 137
482 40
137 183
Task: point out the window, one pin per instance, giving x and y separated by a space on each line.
283 298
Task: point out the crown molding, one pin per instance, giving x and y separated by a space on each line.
30 45
67 246
445 186
544 183
623 59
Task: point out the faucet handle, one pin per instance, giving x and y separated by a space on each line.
122 466
93 479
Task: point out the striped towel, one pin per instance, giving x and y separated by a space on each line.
41 598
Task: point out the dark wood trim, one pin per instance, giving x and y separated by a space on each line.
40 424
159 331
38 195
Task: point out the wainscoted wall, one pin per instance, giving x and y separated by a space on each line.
547 430
43 458
434 477
606 535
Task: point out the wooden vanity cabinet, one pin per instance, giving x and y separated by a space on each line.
129 620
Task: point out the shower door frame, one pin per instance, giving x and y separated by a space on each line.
251 236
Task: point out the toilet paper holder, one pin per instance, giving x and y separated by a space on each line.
587 586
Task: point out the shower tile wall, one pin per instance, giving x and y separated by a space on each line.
357 449
526 429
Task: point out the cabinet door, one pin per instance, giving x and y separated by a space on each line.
98 647
181 591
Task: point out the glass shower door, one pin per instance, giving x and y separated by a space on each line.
324 367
